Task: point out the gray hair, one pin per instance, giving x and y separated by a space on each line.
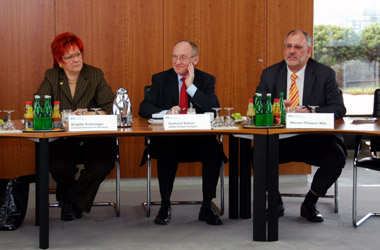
308 37
192 44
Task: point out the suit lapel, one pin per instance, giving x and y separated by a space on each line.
308 83
173 86
283 81
65 85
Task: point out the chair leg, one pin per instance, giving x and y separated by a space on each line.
355 222
117 181
336 197
222 189
354 196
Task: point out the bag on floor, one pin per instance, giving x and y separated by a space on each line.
14 195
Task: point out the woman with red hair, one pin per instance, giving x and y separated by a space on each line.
77 85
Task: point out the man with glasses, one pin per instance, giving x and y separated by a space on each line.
306 84
171 93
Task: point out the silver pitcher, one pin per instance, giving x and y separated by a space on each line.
122 108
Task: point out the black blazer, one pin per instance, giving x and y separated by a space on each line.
164 93
320 86
320 89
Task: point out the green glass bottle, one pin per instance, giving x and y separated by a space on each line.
37 114
269 111
47 122
260 117
282 109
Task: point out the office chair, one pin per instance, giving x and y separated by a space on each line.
115 204
372 163
147 158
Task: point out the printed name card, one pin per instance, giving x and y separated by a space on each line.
80 123
310 120
187 122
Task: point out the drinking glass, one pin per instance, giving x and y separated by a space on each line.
313 107
96 110
65 117
229 121
218 121
9 125
82 110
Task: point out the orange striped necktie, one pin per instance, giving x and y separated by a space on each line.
293 92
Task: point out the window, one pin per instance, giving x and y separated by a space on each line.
348 40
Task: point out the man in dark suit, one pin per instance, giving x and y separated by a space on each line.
165 97
314 85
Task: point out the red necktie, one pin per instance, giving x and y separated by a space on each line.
183 98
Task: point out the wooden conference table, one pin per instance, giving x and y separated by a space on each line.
140 127
265 162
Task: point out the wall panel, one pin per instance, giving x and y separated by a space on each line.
132 39
26 28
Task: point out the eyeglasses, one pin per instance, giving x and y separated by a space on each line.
71 57
289 46
182 58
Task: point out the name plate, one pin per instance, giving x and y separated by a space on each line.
80 123
187 122
310 120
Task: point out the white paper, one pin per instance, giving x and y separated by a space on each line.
81 123
187 122
310 120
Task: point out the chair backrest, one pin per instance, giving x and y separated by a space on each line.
146 91
375 140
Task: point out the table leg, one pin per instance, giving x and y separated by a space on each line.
245 177
43 187
233 195
37 197
260 154
272 187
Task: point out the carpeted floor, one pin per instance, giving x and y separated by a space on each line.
133 230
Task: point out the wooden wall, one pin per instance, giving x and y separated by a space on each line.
132 39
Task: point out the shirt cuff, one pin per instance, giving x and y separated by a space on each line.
191 90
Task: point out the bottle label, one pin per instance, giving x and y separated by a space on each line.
57 123
276 119
28 123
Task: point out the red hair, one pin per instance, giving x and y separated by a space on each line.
62 44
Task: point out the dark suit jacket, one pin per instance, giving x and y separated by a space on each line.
92 90
320 87
164 93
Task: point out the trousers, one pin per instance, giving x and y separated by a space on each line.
328 152
170 151
98 157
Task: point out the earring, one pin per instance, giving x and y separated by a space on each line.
60 65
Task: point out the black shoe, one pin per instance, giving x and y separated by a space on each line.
209 214
164 215
78 212
281 210
310 212
67 213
